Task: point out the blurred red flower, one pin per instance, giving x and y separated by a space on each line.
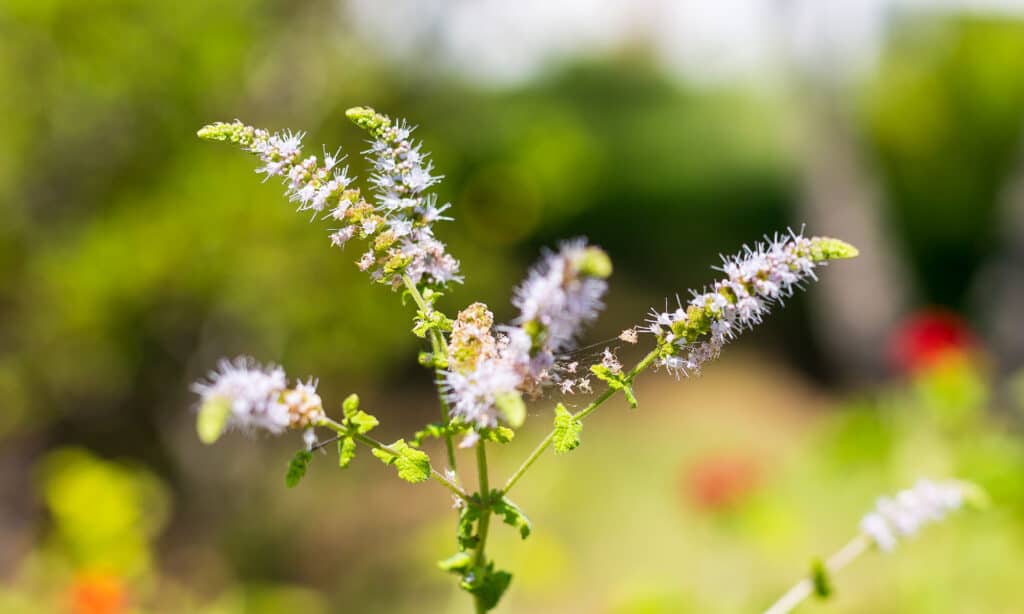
97 593
720 482
929 337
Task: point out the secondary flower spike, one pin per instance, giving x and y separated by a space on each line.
560 296
905 513
756 279
243 394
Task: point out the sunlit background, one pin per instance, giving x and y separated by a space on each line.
132 256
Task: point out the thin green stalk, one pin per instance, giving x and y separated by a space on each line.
440 348
583 413
436 475
480 557
835 563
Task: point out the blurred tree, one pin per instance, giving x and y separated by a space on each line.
943 118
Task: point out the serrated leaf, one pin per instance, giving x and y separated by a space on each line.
361 421
350 404
512 515
457 563
468 515
346 451
487 585
567 430
615 381
413 465
297 468
212 420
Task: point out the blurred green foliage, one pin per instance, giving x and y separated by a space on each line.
134 255
944 116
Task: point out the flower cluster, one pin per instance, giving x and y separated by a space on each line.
255 397
904 514
487 371
398 228
559 297
756 279
402 174
480 373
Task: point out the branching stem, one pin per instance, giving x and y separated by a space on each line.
583 413
436 475
440 348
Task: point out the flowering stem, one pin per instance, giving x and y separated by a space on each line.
805 587
485 518
373 443
440 347
583 413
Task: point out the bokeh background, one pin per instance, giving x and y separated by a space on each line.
132 256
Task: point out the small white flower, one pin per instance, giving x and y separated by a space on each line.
470 440
309 438
610 362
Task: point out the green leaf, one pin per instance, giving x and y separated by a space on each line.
297 468
361 421
567 430
468 515
212 420
512 515
627 390
615 381
487 585
346 451
819 577
459 562
350 405
413 465
594 262
512 408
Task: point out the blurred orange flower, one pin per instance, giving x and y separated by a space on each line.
720 482
98 593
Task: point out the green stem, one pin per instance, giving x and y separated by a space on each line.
440 348
835 563
583 413
480 557
436 475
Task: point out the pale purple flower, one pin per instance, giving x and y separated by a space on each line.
756 279
255 394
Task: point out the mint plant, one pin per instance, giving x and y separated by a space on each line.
486 373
